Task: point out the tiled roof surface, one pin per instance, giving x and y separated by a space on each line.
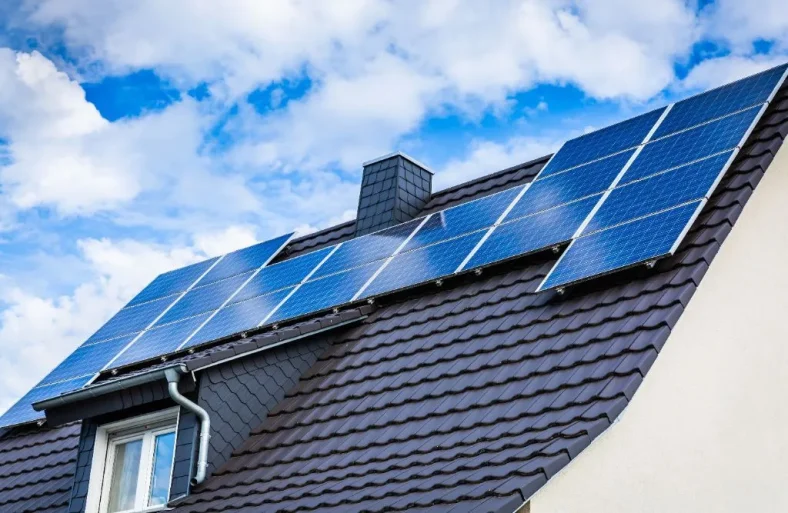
37 468
470 397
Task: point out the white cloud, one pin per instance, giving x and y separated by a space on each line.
739 23
55 153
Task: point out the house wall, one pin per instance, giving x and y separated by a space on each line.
707 429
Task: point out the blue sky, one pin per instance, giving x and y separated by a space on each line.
136 137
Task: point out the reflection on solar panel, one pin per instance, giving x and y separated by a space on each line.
619 196
619 247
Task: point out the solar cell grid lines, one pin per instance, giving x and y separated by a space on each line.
622 246
579 182
534 232
692 144
722 101
22 411
465 218
601 143
658 192
172 282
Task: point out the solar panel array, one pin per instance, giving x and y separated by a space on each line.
619 196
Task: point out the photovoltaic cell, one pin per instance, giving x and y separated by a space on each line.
23 411
601 143
464 218
132 319
281 275
577 183
718 102
659 192
87 359
424 264
694 144
528 234
237 318
362 250
160 340
172 282
324 293
622 246
204 299
245 259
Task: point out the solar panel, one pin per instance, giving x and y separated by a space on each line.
281 275
465 218
602 143
324 292
721 101
562 188
172 282
204 298
22 411
528 234
237 318
660 192
160 340
132 319
693 144
246 259
371 247
622 246
423 264
87 360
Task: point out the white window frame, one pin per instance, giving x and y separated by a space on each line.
108 436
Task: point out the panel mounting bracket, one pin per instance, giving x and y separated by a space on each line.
651 263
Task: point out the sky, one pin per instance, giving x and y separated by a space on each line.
137 137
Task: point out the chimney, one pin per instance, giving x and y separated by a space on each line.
394 189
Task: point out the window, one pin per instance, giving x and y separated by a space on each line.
132 464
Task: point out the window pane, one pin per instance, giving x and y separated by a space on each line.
162 468
125 472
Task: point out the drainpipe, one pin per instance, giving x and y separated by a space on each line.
173 375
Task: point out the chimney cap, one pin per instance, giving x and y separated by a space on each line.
399 154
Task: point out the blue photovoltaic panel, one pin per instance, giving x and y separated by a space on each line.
246 259
238 317
87 360
324 293
718 102
601 143
423 264
532 233
622 246
368 248
578 183
464 218
160 340
659 192
204 298
172 282
281 275
694 144
132 319
23 411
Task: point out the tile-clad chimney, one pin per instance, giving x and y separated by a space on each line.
394 189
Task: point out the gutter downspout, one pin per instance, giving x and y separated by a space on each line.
173 376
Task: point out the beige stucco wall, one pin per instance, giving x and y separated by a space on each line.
708 429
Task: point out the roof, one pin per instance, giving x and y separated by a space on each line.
37 468
465 397
472 396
